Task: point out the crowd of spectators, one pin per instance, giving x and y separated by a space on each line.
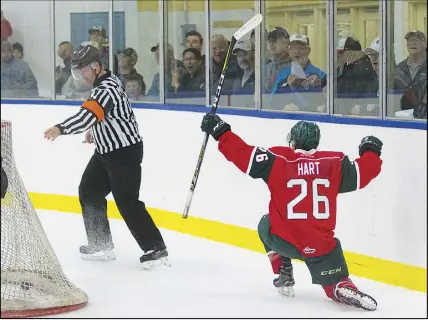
291 80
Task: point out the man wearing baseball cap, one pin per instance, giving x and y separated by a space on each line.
355 77
278 39
301 75
244 52
373 53
416 63
414 70
99 35
127 59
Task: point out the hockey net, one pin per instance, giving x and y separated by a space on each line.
32 281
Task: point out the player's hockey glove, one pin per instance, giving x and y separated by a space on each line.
214 125
370 143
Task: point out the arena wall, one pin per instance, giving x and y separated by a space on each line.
383 227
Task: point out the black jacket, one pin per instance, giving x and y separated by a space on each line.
357 84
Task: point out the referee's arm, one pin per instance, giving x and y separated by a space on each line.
92 110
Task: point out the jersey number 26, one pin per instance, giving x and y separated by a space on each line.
316 199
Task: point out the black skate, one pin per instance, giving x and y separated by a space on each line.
97 254
347 293
285 280
152 258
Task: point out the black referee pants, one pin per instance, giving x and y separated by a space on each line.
118 172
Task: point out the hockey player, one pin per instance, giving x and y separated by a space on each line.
304 184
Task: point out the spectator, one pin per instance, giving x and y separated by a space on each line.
355 77
278 40
244 52
99 35
220 46
420 111
194 40
268 54
373 53
300 75
135 86
127 59
171 66
62 74
6 28
18 50
194 79
17 78
414 68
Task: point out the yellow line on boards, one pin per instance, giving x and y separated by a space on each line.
373 268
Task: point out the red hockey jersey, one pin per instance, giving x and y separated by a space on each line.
304 186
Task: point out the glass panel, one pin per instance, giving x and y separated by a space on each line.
138 64
294 56
238 87
407 59
185 60
26 61
76 23
356 84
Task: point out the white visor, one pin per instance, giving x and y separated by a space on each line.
78 73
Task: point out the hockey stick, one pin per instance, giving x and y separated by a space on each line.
246 28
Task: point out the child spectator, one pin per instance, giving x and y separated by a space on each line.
135 87
18 50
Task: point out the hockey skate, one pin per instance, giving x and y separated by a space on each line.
153 258
285 280
95 254
346 292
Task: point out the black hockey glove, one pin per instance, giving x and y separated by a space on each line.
214 125
370 143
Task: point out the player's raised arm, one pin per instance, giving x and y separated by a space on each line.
358 173
254 161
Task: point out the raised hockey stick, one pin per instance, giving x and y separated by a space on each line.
246 28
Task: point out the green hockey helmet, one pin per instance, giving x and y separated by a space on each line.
304 135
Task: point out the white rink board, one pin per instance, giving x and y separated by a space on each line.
387 219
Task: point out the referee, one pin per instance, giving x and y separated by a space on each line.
109 122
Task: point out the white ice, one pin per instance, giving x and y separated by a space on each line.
206 280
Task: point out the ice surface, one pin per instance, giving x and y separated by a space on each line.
206 279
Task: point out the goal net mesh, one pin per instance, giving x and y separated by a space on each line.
32 280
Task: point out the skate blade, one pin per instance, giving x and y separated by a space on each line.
149 265
358 299
99 256
286 291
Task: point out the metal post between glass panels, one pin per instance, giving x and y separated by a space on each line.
258 49
331 53
163 12
207 48
111 54
52 51
383 28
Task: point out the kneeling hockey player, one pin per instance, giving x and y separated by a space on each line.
304 184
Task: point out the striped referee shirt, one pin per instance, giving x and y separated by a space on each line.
108 113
